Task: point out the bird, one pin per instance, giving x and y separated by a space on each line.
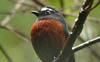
49 34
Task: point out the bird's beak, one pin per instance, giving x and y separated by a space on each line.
35 12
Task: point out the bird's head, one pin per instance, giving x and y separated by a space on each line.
45 11
48 12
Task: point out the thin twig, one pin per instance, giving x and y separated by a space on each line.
13 12
18 33
5 53
86 44
98 3
90 48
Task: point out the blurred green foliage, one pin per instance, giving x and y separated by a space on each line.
20 50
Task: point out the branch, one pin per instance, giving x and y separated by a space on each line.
13 12
86 44
98 3
67 50
18 33
5 53
90 48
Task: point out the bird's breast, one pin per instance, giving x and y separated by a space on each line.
47 37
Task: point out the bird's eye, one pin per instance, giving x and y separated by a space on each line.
48 12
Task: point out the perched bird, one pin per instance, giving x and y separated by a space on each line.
49 34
